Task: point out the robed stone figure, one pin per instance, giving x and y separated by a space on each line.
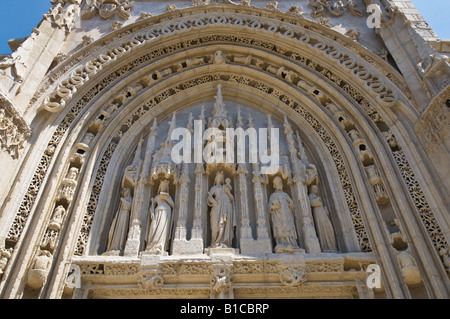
119 229
281 209
221 201
161 220
322 221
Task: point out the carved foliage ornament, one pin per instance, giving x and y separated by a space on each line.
63 13
13 129
65 90
107 9
151 280
293 276
335 8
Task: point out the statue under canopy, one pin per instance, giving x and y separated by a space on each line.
119 230
281 210
222 219
322 221
161 219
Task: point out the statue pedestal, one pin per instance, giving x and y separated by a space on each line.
149 258
187 247
132 248
111 253
221 251
261 246
133 242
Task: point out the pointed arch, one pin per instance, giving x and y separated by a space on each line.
315 75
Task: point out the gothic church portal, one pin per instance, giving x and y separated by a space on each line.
93 204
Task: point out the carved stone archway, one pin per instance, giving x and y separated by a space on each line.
333 91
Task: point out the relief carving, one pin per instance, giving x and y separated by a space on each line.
335 8
293 276
5 255
221 285
151 281
107 9
40 268
63 13
11 138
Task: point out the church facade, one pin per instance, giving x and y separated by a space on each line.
226 149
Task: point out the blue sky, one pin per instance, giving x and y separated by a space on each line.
19 17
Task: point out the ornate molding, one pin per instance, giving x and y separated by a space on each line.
63 13
234 278
13 128
107 9
251 19
335 8
433 128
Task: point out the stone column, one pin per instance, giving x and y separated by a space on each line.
312 245
198 234
264 242
180 244
246 230
198 229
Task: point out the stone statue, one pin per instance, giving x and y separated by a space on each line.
57 218
68 185
119 229
322 221
161 219
222 219
281 211
409 269
5 255
37 276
